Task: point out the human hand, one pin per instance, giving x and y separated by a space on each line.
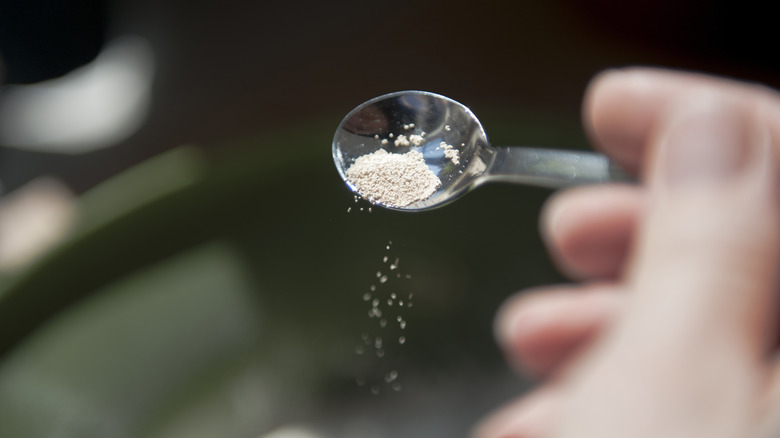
669 332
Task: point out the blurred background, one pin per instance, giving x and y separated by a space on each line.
176 255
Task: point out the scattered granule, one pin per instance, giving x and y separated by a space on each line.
450 153
384 141
402 141
453 155
391 135
395 180
416 140
447 128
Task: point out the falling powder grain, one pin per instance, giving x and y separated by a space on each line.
392 375
395 180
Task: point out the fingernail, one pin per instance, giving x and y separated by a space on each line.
706 143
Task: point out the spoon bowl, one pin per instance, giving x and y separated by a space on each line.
439 120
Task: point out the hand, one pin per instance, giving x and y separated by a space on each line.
670 330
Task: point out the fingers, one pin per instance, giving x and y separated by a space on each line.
588 230
690 342
674 126
707 250
542 331
622 107
532 416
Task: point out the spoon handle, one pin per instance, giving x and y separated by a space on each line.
551 168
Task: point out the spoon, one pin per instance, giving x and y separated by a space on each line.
442 119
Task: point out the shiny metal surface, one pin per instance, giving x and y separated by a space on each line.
445 120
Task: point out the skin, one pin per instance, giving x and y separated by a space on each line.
669 328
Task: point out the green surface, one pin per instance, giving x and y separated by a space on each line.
220 294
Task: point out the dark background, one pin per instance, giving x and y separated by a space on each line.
213 283
232 68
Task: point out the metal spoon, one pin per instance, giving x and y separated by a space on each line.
445 120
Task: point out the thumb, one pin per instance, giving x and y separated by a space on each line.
704 269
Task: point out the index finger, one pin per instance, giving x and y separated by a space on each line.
621 107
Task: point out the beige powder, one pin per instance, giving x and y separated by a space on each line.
395 180
402 141
450 152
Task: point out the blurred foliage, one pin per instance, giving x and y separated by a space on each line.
218 292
